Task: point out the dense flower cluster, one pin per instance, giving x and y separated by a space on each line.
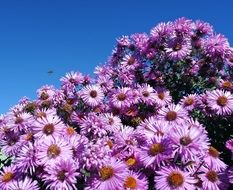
148 120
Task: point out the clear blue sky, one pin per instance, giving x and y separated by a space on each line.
65 35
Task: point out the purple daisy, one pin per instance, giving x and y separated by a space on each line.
173 178
173 114
26 159
216 46
121 98
11 143
230 174
162 97
202 28
92 95
110 176
178 49
147 94
189 102
48 127
162 30
220 101
153 126
189 142
95 154
7 175
62 175
26 184
113 122
213 180
212 159
135 181
72 77
156 152
52 150
130 62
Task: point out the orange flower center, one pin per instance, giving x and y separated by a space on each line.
8 176
227 84
70 130
171 115
53 151
212 176
175 179
110 144
48 129
156 148
106 172
222 101
213 152
130 182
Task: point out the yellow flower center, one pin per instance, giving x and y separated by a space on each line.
110 144
131 161
18 120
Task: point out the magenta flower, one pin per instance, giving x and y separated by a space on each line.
216 46
173 114
48 127
156 152
220 101
26 184
135 181
61 175
52 150
111 175
92 95
172 178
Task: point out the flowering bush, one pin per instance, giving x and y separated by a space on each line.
158 115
